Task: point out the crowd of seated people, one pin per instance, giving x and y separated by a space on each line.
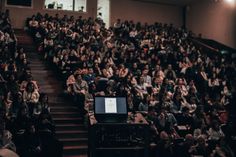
184 93
26 125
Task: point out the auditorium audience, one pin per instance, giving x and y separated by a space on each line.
157 66
22 106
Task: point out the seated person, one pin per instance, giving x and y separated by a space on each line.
32 142
215 132
6 139
43 101
24 83
30 96
200 148
80 90
45 122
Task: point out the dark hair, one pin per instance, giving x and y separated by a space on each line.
43 95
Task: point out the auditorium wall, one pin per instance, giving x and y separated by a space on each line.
123 9
19 14
214 20
145 12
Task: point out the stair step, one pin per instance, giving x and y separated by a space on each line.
61 104
64 113
75 150
54 95
69 114
48 85
75 147
53 83
38 65
44 77
36 62
71 134
42 74
67 120
84 155
47 88
74 141
71 108
55 99
61 127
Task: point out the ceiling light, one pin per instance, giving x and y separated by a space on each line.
230 1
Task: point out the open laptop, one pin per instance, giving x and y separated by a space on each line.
110 109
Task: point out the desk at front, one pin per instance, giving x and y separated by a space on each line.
119 139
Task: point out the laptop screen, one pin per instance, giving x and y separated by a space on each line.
110 105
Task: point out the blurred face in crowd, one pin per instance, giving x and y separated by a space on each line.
158 67
181 81
32 129
90 70
135 65
30 87
169 67
145 72
79 78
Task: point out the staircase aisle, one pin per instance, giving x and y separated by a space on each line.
69 124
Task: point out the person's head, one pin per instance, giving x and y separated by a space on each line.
145 71
90 70
168 96
21 50
189 139
201 140
135 65
23 111
12 77
180 81
121 66
43 98
78 77
19 97
169 67
141 80
215 125
30 87
31 129
29 77
25 61
191 83
158 67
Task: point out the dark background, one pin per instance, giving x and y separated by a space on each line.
19 2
